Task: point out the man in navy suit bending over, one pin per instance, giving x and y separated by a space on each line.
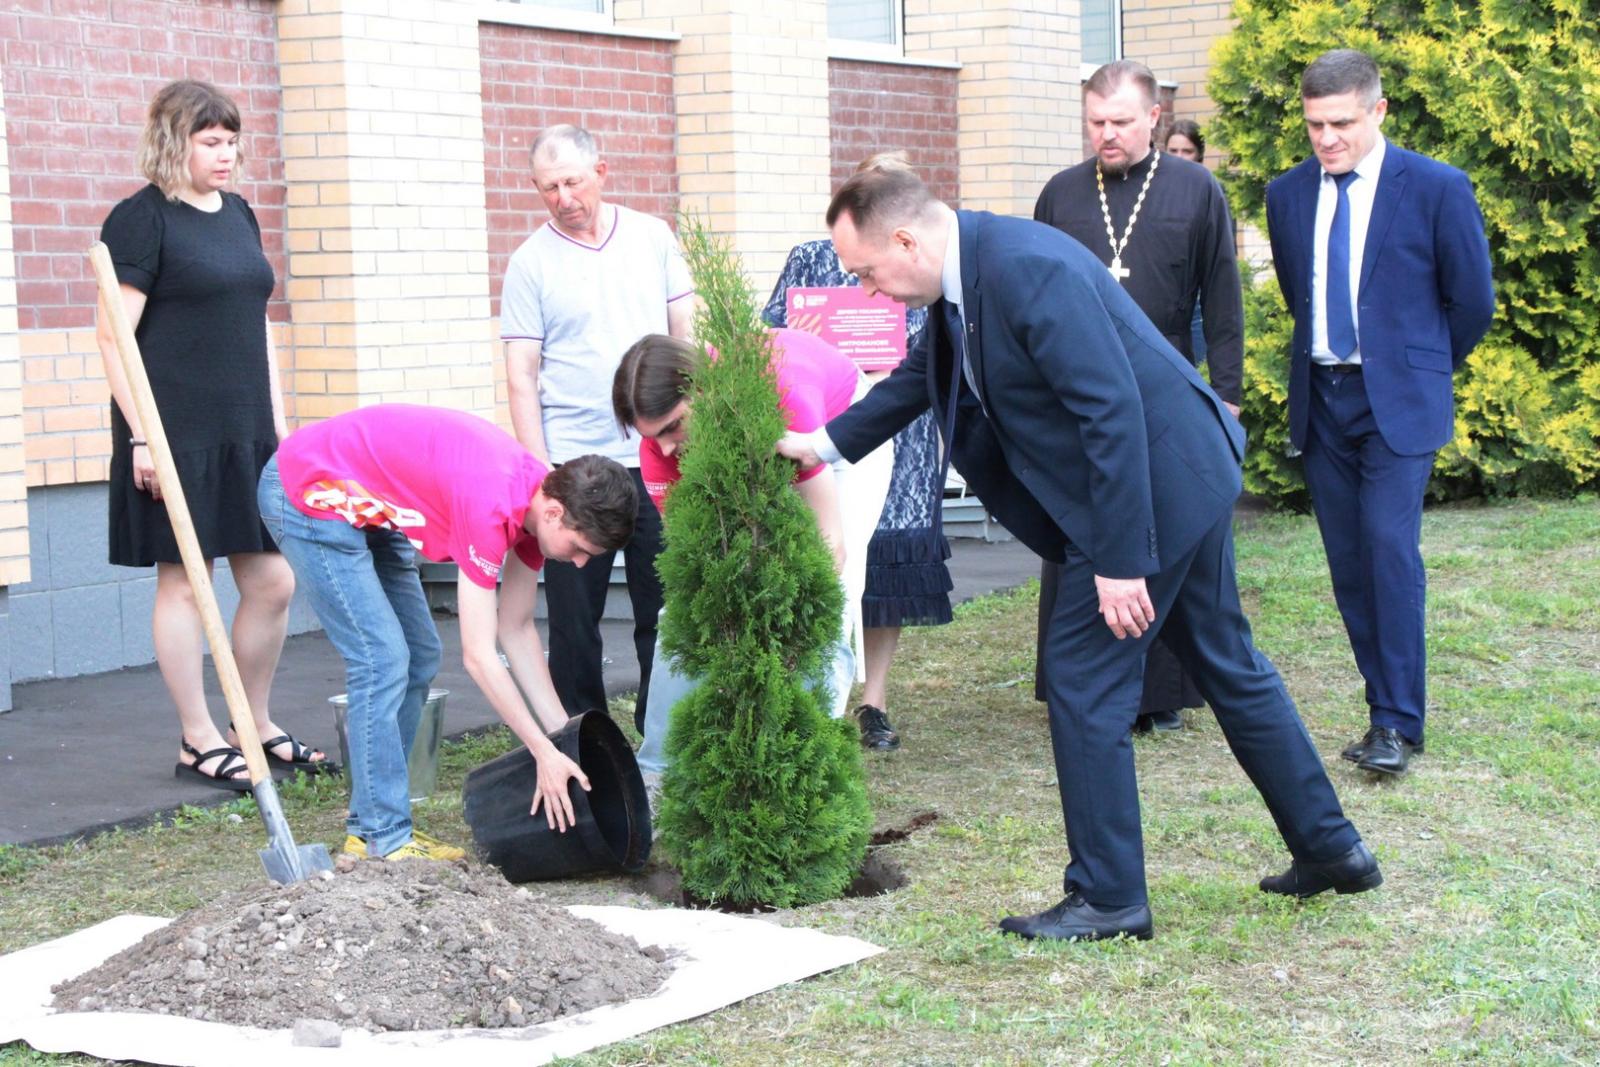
1381 257
1099 446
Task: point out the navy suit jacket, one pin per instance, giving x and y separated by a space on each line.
1093 429
1426 295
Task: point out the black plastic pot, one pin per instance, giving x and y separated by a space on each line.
612 827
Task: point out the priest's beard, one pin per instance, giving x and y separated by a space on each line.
1118 169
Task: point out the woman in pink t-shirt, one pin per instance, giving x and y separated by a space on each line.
651 395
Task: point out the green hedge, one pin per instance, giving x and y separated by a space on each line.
1509 91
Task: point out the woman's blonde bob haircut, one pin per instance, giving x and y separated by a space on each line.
178 112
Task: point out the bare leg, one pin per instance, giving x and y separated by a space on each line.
266 585
880 643
177 636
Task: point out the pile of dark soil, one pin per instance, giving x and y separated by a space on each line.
384 946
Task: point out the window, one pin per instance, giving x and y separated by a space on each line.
1102 32
871 22
577 15
597 7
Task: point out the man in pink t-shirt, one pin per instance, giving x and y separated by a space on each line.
353 501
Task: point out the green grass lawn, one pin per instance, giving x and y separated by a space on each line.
1483 945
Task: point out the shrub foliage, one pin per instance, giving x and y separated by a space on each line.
1509 91
764 800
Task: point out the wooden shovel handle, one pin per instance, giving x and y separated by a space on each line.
244 724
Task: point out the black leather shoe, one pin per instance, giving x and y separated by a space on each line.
1075 919
1386 751
876 732
1356 749
1354 872
1165 721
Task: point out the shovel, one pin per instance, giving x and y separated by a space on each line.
284 861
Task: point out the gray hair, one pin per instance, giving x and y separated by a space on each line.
1343 70
550 141
898 159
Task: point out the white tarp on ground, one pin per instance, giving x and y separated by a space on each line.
719 960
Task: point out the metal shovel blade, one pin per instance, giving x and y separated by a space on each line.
283 860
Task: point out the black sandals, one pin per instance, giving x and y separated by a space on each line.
299 755
229 772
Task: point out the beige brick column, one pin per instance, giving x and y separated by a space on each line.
1019 109
13 483
1175 40
388 250
751 79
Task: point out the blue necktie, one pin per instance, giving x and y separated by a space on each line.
953 327
1341 322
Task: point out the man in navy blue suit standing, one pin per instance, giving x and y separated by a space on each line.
1102 449
1381 257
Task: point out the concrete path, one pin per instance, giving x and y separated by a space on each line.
82 755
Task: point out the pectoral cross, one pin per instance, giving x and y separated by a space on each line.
1118 271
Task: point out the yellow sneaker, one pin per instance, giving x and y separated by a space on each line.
436 849
408 851
421 846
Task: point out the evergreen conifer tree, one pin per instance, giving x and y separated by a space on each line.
763 801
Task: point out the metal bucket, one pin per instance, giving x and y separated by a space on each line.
422 764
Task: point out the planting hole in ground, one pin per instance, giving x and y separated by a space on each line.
879 873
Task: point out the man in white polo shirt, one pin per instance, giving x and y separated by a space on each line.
580 290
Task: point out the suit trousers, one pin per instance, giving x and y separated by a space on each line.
1368 501
575 600
1092 687
1166 687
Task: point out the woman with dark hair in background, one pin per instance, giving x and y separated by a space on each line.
1186 141
195 284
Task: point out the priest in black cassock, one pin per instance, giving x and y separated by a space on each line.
1161 225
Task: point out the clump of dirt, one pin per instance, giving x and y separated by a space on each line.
890 835
385 946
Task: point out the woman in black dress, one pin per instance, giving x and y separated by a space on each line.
195 284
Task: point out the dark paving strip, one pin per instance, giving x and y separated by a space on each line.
79 756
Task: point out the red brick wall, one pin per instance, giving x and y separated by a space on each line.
878 107
79 75
78 78
617 88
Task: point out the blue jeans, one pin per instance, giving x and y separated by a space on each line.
862 488
367 593
669 685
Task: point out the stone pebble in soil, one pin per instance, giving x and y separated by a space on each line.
383 946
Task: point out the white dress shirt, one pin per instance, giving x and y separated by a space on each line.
950 286
1362 191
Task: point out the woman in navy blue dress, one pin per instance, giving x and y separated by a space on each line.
908 583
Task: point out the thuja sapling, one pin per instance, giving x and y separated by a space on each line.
763 801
